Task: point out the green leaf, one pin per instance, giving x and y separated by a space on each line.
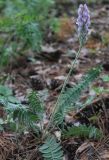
1 128
2 100
51 150
83 131
36 105
5 91
1 121
13 99
105 78
72 95
32 34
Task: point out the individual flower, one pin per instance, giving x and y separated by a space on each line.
83 22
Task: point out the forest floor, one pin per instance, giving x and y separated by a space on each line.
46 74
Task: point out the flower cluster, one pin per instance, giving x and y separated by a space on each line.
83 22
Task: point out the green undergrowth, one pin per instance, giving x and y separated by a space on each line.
23 26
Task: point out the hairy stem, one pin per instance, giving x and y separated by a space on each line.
55 108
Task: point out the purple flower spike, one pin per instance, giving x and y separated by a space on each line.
83 22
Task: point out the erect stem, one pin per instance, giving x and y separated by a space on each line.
55 108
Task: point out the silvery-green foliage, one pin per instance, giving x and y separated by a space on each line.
25 116
71 95
51 150
82 131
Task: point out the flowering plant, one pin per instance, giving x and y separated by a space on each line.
32 116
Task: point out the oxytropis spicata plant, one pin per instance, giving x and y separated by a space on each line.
68 97
31 116
83 22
